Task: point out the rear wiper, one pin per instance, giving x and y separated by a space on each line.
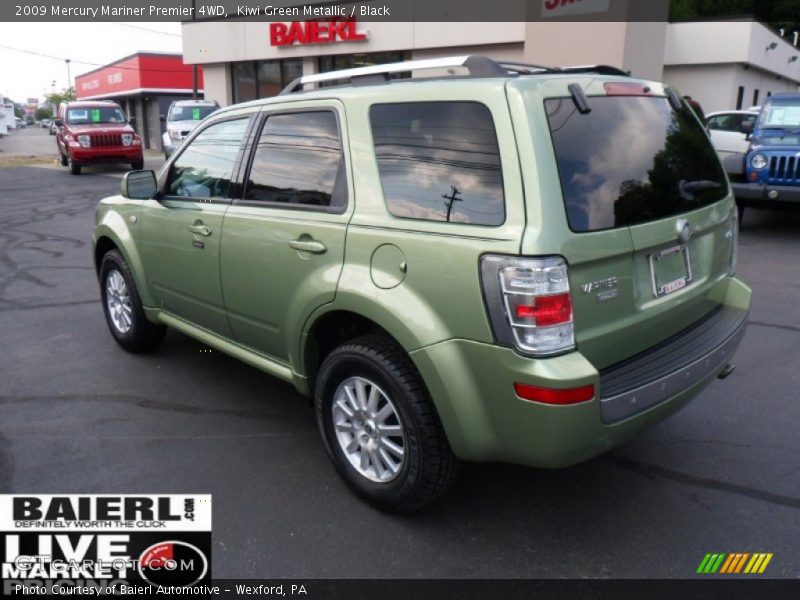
685 188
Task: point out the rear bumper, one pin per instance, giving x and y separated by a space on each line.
471 385
669 368
756 194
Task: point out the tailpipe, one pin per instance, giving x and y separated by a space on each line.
726 370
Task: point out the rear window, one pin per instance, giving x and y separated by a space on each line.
632 159
439 161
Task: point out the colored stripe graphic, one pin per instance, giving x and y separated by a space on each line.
737 563
711 563
764 564
734 563
727 564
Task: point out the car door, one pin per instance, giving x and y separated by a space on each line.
727 134
180 231
283 241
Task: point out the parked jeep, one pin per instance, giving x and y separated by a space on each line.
521 264
772 163
96 132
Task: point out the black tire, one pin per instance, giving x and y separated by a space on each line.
142 336
137 165
74 169
740 211
64 161
429 467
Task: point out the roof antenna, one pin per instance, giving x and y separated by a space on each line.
579 98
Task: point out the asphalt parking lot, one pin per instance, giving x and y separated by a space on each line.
79 415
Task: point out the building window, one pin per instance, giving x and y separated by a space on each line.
740 98
755 97
263 78
351 61
244 81
326 64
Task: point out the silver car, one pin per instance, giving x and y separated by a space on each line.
182 117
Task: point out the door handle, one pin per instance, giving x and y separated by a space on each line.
308 244
200 229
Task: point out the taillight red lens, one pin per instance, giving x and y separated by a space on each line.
554 396
547 310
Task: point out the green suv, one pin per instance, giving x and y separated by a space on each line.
503 263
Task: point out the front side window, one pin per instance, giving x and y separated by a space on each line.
299 161
439 161
205 167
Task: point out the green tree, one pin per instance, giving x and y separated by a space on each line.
62 96
43 113
780 14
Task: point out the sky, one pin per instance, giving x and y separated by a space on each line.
88 45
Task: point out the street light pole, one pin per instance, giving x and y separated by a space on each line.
69 78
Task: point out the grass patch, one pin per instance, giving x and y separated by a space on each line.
23 161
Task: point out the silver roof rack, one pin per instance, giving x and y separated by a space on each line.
477 66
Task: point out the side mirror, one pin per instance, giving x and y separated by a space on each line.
162 118
138 185
132 121
59 122
747 127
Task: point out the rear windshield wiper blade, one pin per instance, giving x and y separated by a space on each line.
685 188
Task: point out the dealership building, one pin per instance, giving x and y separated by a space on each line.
144 84
723 64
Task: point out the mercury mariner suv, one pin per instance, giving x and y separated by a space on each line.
515 263
96 132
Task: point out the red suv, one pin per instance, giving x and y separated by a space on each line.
96 132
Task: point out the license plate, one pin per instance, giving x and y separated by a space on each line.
670 270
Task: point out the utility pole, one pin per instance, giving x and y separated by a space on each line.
451 199
194 66
69 77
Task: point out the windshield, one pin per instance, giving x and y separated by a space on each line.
630 160
95 114
190 113
780 114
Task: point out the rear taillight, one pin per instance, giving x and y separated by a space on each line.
554 396
733 234
529 303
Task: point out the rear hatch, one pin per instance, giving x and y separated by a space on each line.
634 198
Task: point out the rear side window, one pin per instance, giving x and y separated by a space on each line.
632 159
299 161
439 161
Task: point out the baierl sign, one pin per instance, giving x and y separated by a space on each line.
565 8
